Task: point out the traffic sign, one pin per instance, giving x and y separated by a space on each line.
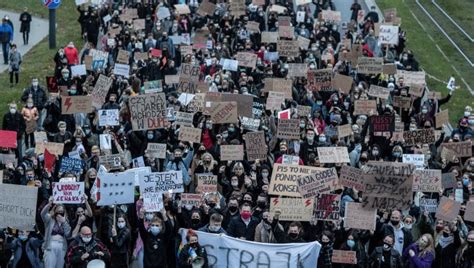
51 4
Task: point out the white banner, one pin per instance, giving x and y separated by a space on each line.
68 193
225 251
157 182
116 189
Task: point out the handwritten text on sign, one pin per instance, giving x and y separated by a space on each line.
162 182
68 193
148 111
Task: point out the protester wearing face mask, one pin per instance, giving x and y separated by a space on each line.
466 255
231 211
325 253
215 225
86 248
192 254
155 240
420 254
385 256
243 226
120 238
26 250
264 230
30 115
446 247
294 234
57 231
402 235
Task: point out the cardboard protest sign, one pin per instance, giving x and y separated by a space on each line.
52 84
292 209
228 64
68 193
116 189
109 117
333 155
327 207
122 69
184 119
366 65
288 129
352 178
53 148
382 123
277 8
250 123
206 8
139 24
388 185
461 149
279 85
342 83
469 213
232 152
275 100
344 256
147 111
416 159
288 48
255 146
110 162
8 139
100 91
322 181
182 9
286 32
123 56
283 180
389 14
237 8
302 2
448 209
297 69
411 78
7 159
365 107
244 103
207 183
422 136
19 206
40 136
448 180
290 159
269 37
76 104
331 16
193 135
78 70
246 59
358 217
388 34
402 102
320 80
157 150
303 42
172 79
442 118
428 205
73 165
427 180
222 112
303 111
344 131
389 68
379 92
152 86
191 200
253 27
161 182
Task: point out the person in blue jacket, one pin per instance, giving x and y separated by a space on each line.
6 37
25 251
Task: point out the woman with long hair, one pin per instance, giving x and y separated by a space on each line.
57 231
466 254
421 253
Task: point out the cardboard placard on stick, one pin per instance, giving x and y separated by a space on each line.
344 131
53 148
365 107
101 90
442 118
461 149
327 207
21 203
292 209
320 80
331 16
148 111
358 217
469 213
427 180
323 181
222 112
190 134
344 256
279 85
422 136
333 155
448 180
207 183
288 48
342 83
402 102
379 92
246 59
352 178
284 177
157 150
382 123
366 65
269 37
76 104
297 69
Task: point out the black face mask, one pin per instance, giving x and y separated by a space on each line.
262 204
293 235
233 209
394 223
212 205
195 221
446 234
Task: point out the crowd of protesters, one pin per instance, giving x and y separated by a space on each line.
77 235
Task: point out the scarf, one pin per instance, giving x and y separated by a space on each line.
445 241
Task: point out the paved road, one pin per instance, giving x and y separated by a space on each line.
39 30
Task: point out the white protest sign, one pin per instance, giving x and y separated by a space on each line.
228 64
157 150
290 159
388 34
153 202
162 182
109 117
416 159
68 193
105 141
116 189
78 70
122 69
225 251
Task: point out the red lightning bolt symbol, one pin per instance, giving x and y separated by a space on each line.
67 103
308 202
48 2
275 201
329 209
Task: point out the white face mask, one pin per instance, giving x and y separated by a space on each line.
86 239
12 110
234 184
467 114
213 228
35 84
121 225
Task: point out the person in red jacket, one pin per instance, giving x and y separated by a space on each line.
71 54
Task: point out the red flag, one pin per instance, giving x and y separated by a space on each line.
49 160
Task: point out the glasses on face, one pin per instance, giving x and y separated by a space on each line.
86 235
